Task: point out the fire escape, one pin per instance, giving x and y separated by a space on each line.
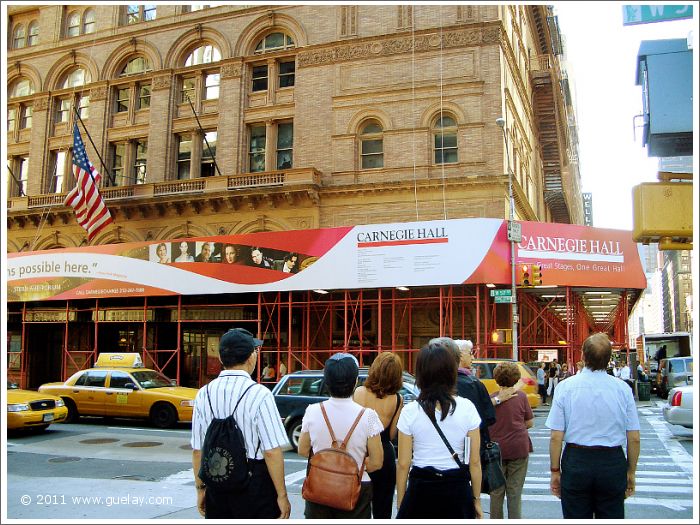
550 113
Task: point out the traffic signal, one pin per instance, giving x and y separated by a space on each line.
525 279
536 274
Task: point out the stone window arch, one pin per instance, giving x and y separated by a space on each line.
444 131
75 77
89 22
276 41
136 66
371 144
21 87
19 37
204 54
33 33
73 24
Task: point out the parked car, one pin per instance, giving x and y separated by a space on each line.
678 410
673 372
27 409
119 386
300 389
483 369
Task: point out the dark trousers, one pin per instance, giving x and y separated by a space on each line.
384 484
438 494
593 483
258 500
362 510
542 390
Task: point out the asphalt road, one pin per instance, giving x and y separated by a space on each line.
123 469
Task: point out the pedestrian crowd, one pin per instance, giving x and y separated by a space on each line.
353 470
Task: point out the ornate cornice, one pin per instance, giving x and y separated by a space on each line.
41 103
162 82
231 70
98 93
479 36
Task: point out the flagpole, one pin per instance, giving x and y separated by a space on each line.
107 171
213 158
19 184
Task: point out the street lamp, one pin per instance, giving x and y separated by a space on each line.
513 236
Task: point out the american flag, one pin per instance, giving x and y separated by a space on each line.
90 210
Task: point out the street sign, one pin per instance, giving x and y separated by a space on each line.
514 231
646 14
503 299
501 292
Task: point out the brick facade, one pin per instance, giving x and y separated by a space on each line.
352 65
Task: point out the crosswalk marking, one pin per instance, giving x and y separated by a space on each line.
668 475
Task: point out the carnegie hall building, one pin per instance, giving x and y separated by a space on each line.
345 160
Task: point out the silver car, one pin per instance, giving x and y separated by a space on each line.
678 410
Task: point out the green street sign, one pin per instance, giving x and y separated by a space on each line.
503 299
500 292
646 14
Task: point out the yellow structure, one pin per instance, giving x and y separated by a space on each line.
663 213
311 116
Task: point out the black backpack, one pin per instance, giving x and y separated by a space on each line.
224 464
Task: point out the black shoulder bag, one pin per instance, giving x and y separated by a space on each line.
491 470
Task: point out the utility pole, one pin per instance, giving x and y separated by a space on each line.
514 235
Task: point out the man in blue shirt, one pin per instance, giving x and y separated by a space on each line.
595 415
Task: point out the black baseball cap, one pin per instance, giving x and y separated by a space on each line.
239 339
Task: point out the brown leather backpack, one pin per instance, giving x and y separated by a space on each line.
332 476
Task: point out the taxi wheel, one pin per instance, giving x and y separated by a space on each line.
163 415
73 415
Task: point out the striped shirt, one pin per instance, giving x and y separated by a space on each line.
257 415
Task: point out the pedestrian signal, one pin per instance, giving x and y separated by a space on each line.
536 274
525 279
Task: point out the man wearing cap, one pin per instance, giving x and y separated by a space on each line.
595 415
261 424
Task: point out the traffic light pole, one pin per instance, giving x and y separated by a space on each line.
512 235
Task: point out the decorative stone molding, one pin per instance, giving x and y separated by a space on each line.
98 93
394 46
230 70
41 103
162 82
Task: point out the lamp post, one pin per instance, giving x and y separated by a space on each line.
513 236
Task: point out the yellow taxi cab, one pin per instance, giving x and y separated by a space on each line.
120 386
483 369
32 410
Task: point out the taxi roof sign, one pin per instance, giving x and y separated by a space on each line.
126 360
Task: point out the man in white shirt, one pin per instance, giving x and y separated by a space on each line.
626 376
596 417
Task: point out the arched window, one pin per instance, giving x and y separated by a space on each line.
22 87
372 145
73 24
136 66
33 36
18 37
274 42
203 55
89 22
445 139
77 77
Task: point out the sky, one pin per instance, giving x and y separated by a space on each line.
602 55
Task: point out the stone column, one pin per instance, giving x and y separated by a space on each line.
38 162
229 155
97 124
160 167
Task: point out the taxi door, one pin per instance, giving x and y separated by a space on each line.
122 401
89 392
